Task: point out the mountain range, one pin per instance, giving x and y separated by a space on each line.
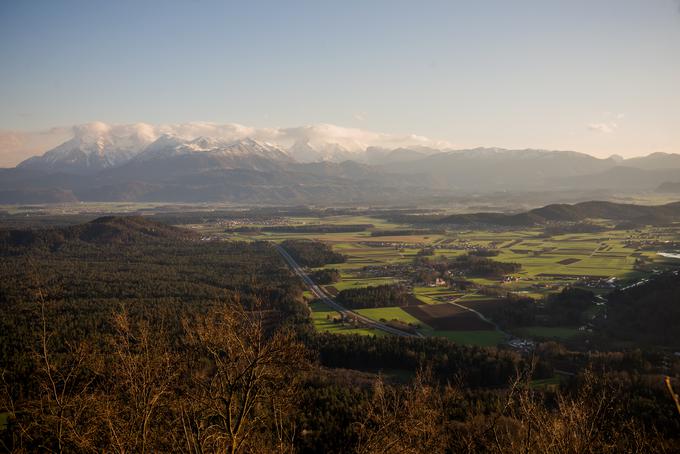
101 166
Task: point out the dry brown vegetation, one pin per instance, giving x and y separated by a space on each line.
235 389
232 390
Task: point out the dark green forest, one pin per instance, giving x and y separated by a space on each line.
647 313
378 296
312 253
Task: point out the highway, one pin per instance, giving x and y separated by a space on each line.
322 295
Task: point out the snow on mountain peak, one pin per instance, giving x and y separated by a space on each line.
99 145
169 145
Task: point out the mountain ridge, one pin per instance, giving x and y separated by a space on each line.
102 166
578 212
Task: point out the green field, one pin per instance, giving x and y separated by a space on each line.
547 265
437 295
390 313
322 323
350 282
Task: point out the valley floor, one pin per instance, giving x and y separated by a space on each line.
595 261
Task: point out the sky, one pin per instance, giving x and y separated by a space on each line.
596 76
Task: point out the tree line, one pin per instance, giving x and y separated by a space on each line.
374 296
312 253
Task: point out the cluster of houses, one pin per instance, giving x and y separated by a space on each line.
509 279
459 245
246 221
407 271
651 244
345 319
399 271
392 244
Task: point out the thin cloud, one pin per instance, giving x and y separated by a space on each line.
603 128
609 124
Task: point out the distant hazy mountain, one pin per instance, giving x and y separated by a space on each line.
669 187
135 164
630 178
493 169
376 155
654 161
303 151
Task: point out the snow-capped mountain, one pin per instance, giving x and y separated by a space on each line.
94 147
208 162
170 157
168 146
98 146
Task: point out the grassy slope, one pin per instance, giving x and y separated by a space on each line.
390 313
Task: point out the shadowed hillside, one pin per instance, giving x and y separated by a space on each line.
104 230
648 313
659 214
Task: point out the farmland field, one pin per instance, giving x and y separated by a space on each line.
447 317
391 313
548 263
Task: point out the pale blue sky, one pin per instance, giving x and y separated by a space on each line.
599 76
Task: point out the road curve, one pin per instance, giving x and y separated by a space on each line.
322 295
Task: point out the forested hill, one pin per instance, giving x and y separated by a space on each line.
104 230
648 313
658 214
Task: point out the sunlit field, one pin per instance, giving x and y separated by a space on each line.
548 263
